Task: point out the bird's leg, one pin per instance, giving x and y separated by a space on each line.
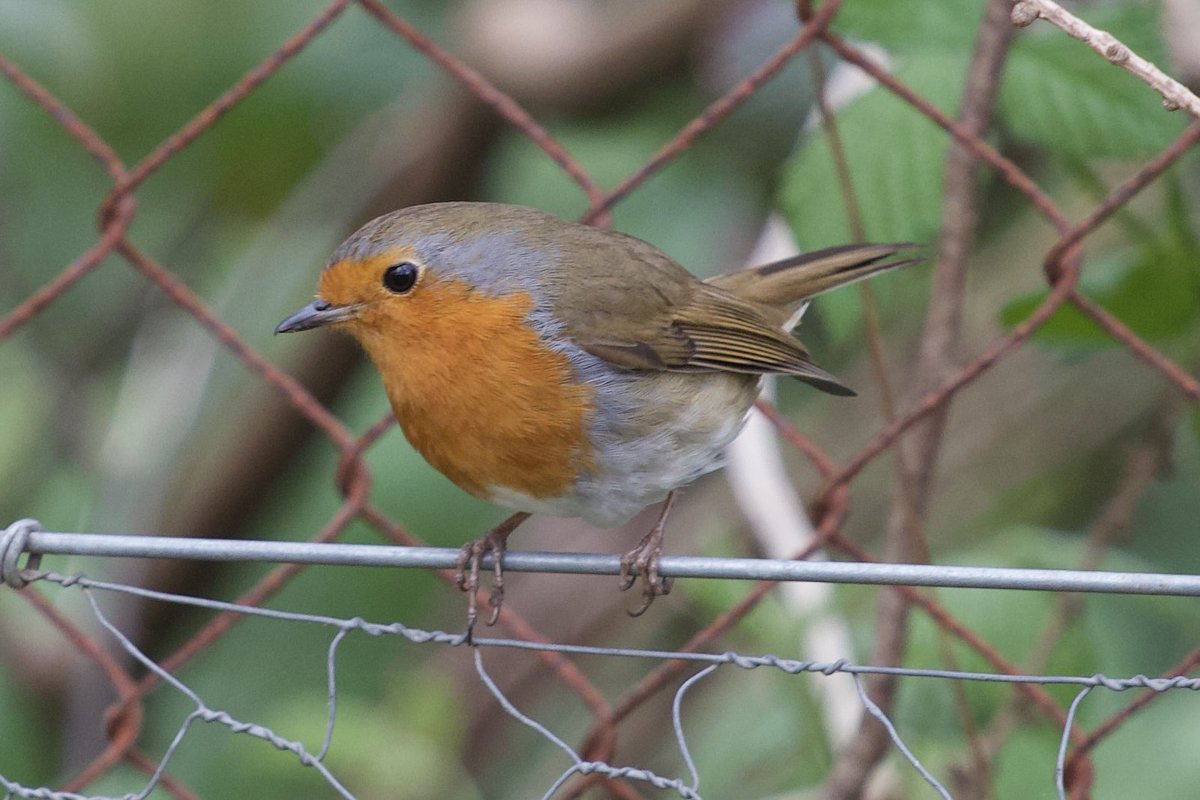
645 557
469 559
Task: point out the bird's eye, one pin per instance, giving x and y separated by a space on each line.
401 278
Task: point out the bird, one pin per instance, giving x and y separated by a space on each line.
561 369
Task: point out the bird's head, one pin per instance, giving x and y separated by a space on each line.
373 279
405 268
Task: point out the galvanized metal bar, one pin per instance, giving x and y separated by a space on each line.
752 569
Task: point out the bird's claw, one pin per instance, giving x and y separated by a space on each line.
645 558
467 575
470 557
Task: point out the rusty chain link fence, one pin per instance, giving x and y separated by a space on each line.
138 709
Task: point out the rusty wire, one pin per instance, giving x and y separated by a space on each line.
119 209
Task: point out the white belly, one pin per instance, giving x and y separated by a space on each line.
652 432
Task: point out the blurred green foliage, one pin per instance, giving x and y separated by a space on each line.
119 409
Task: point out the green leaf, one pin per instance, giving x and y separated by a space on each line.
896 159
1179 226
912 25
1154 290
1164 523
1058 94
1067 327
1157 298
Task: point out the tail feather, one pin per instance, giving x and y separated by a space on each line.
793 280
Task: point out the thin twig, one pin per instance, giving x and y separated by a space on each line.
763 490
858 233
1175 95
937 353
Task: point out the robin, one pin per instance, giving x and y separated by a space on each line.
556 368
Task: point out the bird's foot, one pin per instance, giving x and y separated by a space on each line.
467 568
645 558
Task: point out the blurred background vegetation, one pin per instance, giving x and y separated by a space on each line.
121 414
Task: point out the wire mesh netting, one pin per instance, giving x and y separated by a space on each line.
1042 153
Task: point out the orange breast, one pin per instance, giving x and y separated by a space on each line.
476 391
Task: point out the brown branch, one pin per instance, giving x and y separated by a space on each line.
937 351
858 232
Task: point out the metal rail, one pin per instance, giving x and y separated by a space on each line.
17 540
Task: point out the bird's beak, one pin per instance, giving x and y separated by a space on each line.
316 314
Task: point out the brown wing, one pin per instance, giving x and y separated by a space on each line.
655 315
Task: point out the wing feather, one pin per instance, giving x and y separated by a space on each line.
662 318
